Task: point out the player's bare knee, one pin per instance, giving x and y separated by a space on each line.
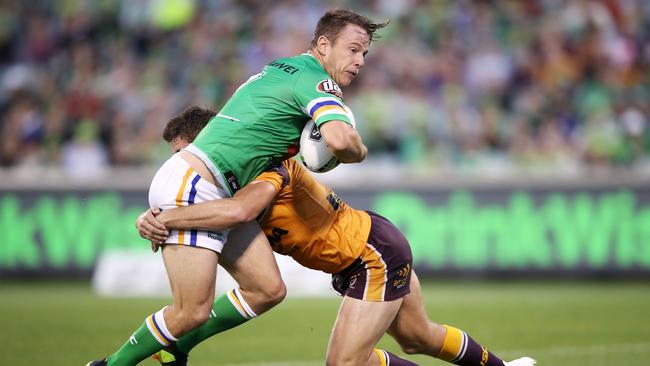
201 316
192 317
425 341
337 359
279 293
412 346
418 341
274 293
265 295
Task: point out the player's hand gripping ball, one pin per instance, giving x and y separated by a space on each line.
314 153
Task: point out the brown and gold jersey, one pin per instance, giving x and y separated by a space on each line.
308 222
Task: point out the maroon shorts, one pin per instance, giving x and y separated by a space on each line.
383 270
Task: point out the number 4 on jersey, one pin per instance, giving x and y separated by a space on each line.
276 235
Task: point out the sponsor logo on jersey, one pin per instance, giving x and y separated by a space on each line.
403 274
214 236
404 271
353 281
289 69
334 200
330 87
484 356
399 283
232 181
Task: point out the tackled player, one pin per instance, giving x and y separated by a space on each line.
369 258
258 127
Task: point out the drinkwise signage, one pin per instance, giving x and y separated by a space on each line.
602 232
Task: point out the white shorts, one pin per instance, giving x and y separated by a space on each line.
177 184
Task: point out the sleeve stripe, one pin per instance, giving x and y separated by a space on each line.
323 111
326 103
315 103
334 111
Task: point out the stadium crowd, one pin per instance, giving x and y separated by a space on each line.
459 85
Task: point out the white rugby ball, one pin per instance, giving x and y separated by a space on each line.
314 153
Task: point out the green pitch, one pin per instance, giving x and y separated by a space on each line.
559 324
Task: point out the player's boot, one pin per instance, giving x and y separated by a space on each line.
97 363
170 357
524 361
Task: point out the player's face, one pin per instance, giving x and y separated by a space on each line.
344 57
178 143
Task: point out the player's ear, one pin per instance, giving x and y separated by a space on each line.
322 43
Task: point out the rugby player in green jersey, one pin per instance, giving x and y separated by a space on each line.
258 127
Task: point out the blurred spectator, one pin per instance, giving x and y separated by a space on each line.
83 156
23 133
456 85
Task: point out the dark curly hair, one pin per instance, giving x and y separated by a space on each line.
188 123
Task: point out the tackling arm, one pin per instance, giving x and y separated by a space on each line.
344 141
225 213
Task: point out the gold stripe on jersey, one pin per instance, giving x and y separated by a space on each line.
375 274
332 109
179 200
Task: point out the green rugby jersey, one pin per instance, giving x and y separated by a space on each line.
260 125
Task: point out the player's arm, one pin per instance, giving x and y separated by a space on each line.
245 206
322 101
344 141
225 213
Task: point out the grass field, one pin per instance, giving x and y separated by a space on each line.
560 324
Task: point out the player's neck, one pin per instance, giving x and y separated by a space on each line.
318 58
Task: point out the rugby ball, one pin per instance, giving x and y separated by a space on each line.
314 153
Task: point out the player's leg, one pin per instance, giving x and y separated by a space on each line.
415 333
191 265
412 329
192 276
249 259
374 288
191 272
359 326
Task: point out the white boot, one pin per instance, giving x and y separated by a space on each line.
524 361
